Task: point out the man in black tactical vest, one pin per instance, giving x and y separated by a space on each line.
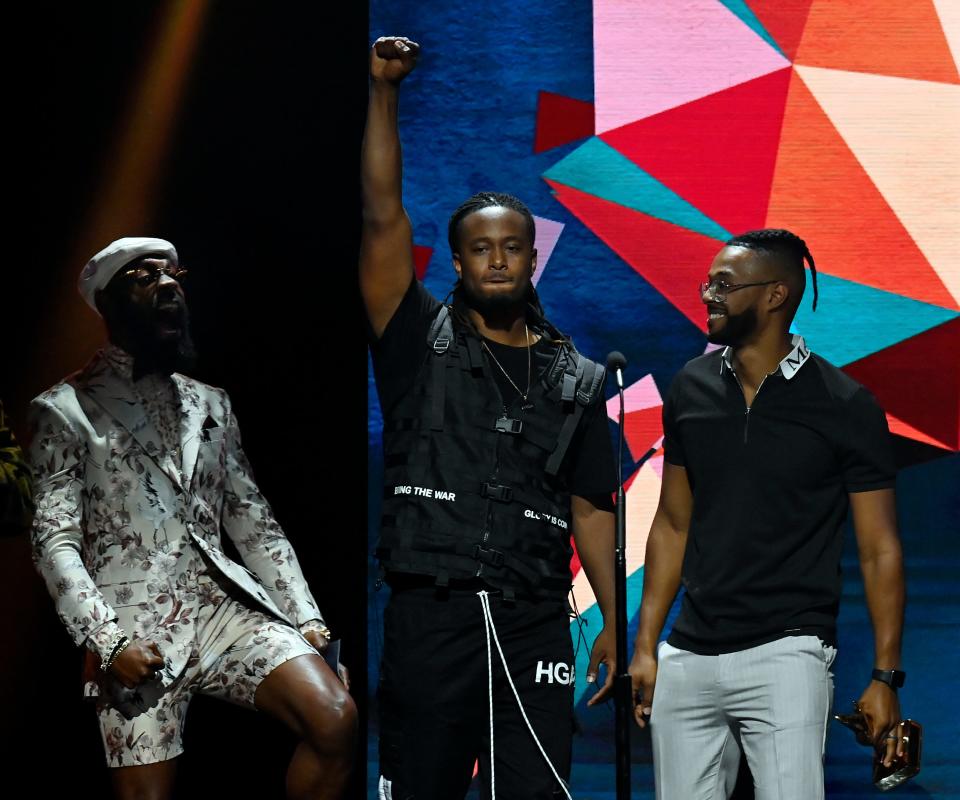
496 449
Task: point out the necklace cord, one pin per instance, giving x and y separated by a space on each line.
523 395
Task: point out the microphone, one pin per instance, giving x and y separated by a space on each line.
616 360
616 363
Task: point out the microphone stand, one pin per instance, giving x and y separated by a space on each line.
623 687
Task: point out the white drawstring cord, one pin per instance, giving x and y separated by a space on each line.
488 624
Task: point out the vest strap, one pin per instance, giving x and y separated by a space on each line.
507 424
569 391
488 555
563 440
440 337
591 381
474 355
497 491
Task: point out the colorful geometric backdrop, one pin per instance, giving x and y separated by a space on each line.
643 133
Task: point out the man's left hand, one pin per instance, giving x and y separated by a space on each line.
881 709
605 651
320 644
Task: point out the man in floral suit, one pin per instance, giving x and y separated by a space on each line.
138 468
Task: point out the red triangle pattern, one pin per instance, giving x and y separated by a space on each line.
574 559
918 381
642 429
421 258
561 120
821 192
900 428
718 152
672 259
784 21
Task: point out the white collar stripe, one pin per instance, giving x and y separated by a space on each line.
790 365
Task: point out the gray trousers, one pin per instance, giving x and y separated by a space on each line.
772 702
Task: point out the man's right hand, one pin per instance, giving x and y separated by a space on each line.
643 677
139 661
392 58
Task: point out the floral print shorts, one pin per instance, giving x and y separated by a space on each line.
235 648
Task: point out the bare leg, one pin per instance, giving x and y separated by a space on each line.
145 781
308 698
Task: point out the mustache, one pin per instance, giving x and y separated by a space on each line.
174 301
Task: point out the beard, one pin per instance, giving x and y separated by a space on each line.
160 341
737 328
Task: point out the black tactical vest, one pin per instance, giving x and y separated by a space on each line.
472 492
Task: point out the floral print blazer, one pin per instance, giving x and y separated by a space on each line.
120 534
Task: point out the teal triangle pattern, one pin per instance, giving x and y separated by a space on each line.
852 320
598 169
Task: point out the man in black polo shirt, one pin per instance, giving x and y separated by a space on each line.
766 447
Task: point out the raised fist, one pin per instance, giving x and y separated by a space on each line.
392 58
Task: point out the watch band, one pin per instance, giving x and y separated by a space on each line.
894 678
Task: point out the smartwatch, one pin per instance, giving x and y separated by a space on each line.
894 678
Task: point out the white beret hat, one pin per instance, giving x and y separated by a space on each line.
116 255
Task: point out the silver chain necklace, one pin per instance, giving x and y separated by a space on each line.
526 334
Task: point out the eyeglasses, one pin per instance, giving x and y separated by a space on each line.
149 275
720 289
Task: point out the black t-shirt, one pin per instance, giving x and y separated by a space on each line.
770 497
400 353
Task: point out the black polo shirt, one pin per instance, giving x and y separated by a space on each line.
770 489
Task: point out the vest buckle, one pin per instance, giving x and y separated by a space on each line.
488 556
496 491
507 424
440 345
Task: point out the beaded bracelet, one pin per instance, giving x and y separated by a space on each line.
115 640
120 644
